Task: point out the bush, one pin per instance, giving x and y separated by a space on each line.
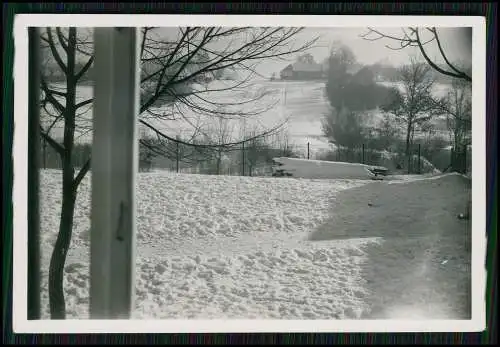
343 127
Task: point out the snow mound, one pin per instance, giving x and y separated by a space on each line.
320 169
452 178
421 264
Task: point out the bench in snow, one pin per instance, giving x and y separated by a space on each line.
379 171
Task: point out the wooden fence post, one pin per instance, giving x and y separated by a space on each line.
243 159
177 157
419 166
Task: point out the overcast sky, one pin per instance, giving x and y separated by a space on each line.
368 52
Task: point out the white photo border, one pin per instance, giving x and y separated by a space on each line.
20 147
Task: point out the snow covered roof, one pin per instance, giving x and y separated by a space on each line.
298 66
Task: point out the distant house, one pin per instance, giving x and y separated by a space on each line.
287 73
302 71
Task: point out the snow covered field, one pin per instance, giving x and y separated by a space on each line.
302 103
221 247
283 248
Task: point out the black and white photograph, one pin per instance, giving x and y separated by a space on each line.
303 172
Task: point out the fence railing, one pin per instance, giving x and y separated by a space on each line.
252 161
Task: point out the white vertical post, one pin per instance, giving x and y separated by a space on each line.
114 167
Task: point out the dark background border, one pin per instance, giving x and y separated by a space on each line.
488 10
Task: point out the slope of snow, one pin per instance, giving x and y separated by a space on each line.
221 246
421 268
242 247
303 103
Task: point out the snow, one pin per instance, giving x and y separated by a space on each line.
401 179
284 248
420 268
320 169
221 246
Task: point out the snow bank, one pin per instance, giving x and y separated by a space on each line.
452 178
220 247
420 267
231 247
319 169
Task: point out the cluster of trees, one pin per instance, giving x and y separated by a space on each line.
410 107
387 72
355 92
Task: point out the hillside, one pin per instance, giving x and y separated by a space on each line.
303 103
242 247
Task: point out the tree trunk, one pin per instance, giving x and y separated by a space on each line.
407 148
218 163
58 259
44 154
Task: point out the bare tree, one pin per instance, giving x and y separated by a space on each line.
344 128
413 105
64 107
457 106
176 68
221 133
412 37
285 147
256 151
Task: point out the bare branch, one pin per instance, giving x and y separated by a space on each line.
83 103
85 68
57 147
445 58
50 96
81 174
407 40
434 65
272 130
54 51
62 39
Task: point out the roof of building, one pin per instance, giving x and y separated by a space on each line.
304 67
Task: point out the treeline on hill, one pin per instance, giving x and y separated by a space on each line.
395 126
386 72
